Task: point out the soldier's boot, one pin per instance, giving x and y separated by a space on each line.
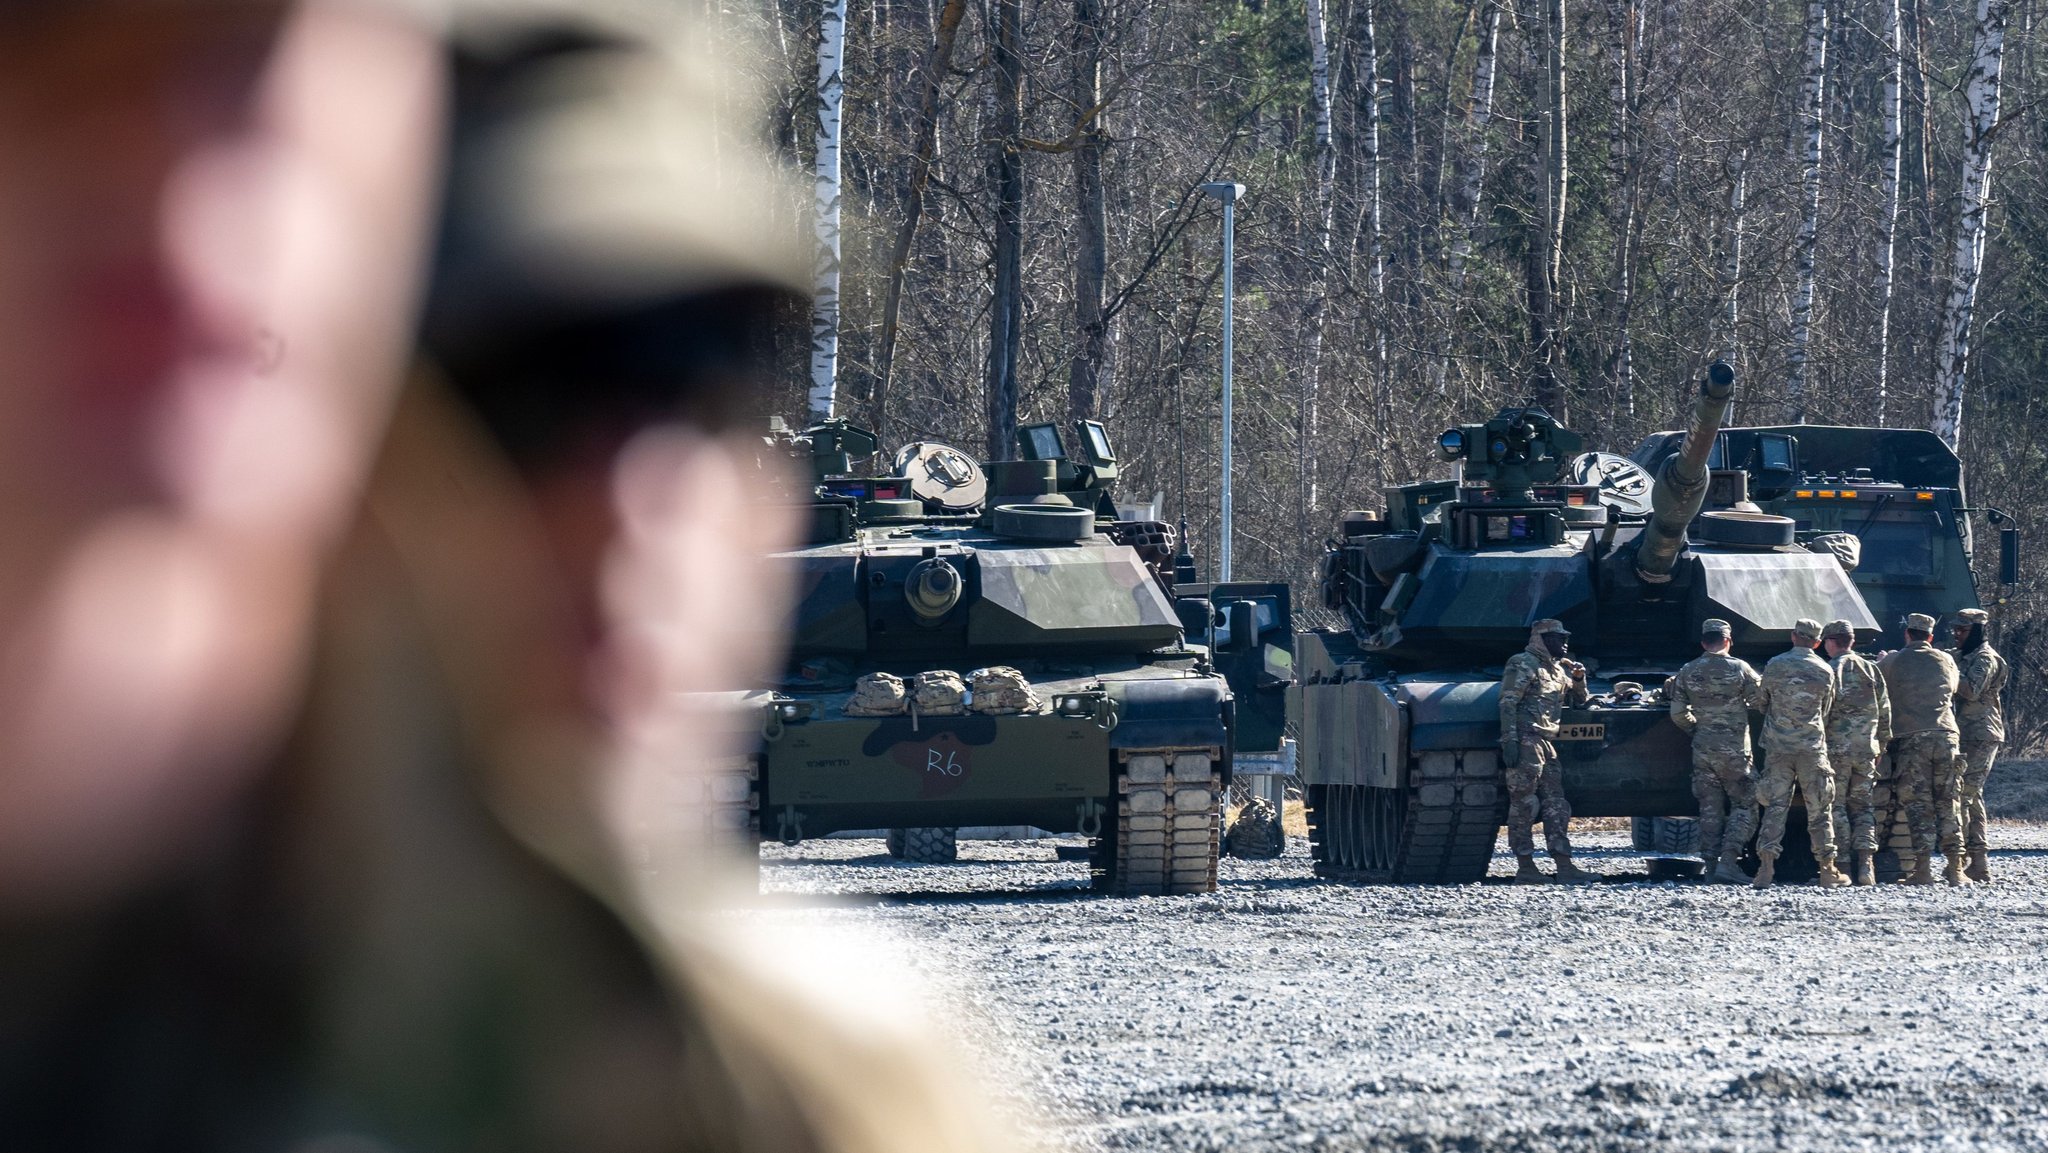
1923 872
1953 872
1571 874
1766 871
1526 872
1980 866
1829 876
1728 872
1866 869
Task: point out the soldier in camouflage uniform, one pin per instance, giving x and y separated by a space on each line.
1798 690
1982 674
1922 681
1711 698
1859 726
1535 686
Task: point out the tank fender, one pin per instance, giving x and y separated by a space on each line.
1169 713
1461 714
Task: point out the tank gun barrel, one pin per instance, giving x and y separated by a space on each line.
1681 487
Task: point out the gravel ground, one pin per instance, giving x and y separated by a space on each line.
1283 1012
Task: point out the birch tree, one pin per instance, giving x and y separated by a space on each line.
1472 171
1546 260
1322 222
1812 87
1952 349
1621 198
1888 194
825 303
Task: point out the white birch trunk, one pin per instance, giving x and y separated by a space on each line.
1369 78
1473 175
1888 195
1812 88
1952 349
1319 283
825 306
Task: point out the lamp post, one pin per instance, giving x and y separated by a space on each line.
1228 194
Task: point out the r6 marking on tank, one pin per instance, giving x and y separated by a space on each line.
945 762
1582 732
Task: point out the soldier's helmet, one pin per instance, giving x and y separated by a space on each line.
1839 629
1715 627
1806 627
1549 625
1919 623
1972 616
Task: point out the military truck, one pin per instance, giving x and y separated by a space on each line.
1398 709
1898 491
979 646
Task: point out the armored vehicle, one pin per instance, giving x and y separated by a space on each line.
1898 491
1398 710
994 647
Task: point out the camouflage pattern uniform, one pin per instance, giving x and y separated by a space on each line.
1711 698
1859 726
1534 688
1922 682
1798 690
1981 674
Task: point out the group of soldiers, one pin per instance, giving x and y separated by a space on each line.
1828 713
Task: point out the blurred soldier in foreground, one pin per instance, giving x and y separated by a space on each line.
371 940
1859 726
1711 698
1921 681
1798 690
1980 713
1535 686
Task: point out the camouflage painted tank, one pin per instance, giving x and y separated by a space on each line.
1398 710
1897 492
995 647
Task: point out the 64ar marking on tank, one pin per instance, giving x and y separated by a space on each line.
1582 732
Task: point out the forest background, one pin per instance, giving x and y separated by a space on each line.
1450 205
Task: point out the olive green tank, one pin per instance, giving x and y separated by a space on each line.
994 646
1398 709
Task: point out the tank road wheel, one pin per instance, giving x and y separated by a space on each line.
1169 818
923 846
1439 830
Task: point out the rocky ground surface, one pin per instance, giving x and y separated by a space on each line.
1283 1012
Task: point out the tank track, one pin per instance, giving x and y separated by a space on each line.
1440 830
1168 825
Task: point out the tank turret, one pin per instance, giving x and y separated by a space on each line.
1398 708
1681 488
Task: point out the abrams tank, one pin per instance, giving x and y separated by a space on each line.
995 647
1398 710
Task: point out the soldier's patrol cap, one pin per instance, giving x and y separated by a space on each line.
1973 616
1920 622
1549 625
1806 627
1715 627
1841 629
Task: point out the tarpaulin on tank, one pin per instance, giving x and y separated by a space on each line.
1767 592
1097 597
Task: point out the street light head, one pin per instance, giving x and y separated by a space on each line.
1226 192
